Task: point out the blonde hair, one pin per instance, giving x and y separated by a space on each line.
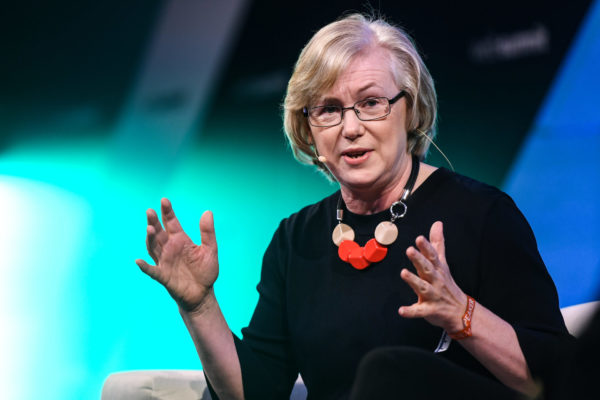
326 56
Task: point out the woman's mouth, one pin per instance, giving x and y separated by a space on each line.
355 157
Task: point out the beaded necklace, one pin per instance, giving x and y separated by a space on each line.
386 232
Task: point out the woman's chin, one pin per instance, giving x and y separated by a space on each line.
358 181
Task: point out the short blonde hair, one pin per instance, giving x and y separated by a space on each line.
326 56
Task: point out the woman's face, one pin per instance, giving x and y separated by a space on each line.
364 154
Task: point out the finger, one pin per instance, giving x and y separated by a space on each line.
160 235
420 286
153 220
412 311
436 237
153 244
148 269
207 230
424 267
169 219
428 251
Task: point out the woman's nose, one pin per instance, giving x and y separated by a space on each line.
352 127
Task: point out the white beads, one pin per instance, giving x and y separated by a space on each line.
386 233
342 232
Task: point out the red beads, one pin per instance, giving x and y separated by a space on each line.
357 259
361 257
374 252
345 248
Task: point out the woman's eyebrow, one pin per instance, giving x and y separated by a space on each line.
328 99
362 89
368 86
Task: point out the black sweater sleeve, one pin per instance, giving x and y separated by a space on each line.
517 287
268 368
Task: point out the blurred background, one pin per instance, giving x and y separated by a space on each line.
105 107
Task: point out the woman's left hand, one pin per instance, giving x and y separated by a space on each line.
440 301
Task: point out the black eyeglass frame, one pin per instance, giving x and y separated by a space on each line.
391 101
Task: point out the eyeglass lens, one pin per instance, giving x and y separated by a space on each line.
366 110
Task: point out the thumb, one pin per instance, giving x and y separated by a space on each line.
148 269
207 230
436 238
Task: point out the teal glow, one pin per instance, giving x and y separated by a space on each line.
42 242
74 222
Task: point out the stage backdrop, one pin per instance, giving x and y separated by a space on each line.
108 106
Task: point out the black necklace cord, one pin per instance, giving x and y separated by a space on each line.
412 179
410 183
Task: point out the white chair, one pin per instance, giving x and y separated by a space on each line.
577 316
191 385
167 385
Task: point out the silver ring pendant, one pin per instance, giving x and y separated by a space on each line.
396 215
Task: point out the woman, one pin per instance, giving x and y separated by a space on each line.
404 255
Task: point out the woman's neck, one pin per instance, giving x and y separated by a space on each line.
373 200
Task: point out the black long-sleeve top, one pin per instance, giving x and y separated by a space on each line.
318 316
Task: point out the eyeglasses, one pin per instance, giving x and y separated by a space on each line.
369 109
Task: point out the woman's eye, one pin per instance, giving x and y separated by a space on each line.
374 102
329 109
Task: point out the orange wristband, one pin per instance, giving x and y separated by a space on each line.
466 319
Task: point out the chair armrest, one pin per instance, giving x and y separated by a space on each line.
155 385
576 317
167 385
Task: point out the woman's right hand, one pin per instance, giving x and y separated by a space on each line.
186 270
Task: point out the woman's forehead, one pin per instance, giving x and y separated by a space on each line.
366 73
